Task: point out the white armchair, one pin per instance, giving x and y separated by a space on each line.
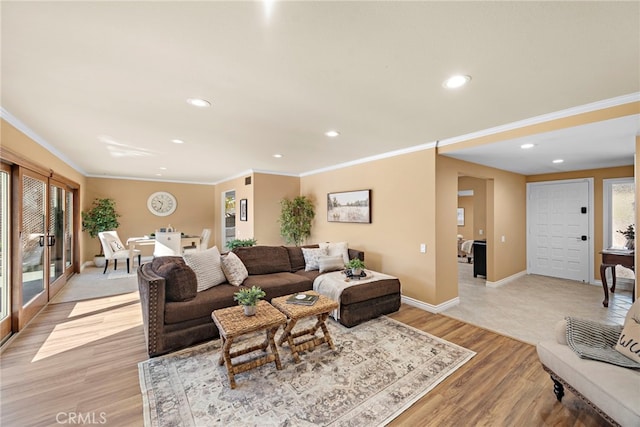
114 250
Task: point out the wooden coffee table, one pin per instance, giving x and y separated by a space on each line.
295 312
232 323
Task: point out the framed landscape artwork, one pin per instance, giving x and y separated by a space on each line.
349 206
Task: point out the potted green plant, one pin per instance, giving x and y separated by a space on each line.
248 298
240 243
356 265
630 234
101 217
295 219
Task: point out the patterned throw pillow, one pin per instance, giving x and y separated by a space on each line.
330 263
234 269
207 266
629 341
116 246
337 248
311 257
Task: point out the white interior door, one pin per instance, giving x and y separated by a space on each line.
559 229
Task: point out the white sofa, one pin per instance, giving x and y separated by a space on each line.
613 391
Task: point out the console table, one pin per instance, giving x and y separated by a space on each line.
611 258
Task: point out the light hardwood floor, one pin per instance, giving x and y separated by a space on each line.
79 359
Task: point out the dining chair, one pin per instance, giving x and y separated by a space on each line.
168 244
204 242
114 250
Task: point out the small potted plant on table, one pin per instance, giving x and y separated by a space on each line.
356 265
248 298
630 234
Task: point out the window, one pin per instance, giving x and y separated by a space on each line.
618 213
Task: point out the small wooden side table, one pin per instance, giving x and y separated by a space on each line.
611 258
321 309
232 323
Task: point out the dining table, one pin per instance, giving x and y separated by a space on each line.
186 240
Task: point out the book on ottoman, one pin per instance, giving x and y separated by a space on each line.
302 299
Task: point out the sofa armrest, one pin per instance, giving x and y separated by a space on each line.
356 253
152 300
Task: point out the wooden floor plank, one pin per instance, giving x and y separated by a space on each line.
83 357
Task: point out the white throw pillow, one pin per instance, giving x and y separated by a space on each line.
337 248
234 269
207 266
330 263
311 256
629 341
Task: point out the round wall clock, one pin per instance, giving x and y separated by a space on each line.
162 203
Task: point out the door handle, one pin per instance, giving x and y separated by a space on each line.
582 238
41 240
52 240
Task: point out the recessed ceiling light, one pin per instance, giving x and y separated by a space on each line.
277 156
197 102
558 161
158 174
527 146
177 141
456 81
332 133
162 168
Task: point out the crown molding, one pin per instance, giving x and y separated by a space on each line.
18 124
386 155
136 178
573 111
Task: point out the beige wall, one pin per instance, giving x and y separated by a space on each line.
478 215
505 216
598 176
244 229
268 191
466 230
403 216
195 209
20 144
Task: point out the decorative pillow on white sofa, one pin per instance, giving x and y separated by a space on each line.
311 256
207 266
330 263
234 269
337 248
629 341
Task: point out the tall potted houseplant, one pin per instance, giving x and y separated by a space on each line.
295 219
101 217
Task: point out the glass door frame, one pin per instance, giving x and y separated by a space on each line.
23 313
6 322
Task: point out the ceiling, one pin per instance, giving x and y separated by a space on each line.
104 84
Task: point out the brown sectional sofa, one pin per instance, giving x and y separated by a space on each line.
176 317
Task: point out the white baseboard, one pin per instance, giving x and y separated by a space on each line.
504 281
621 283
430 307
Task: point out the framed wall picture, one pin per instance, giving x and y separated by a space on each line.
349 206
243 209
460 216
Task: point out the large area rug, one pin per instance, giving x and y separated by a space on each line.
378 370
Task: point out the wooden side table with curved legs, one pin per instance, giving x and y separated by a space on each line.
611 258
